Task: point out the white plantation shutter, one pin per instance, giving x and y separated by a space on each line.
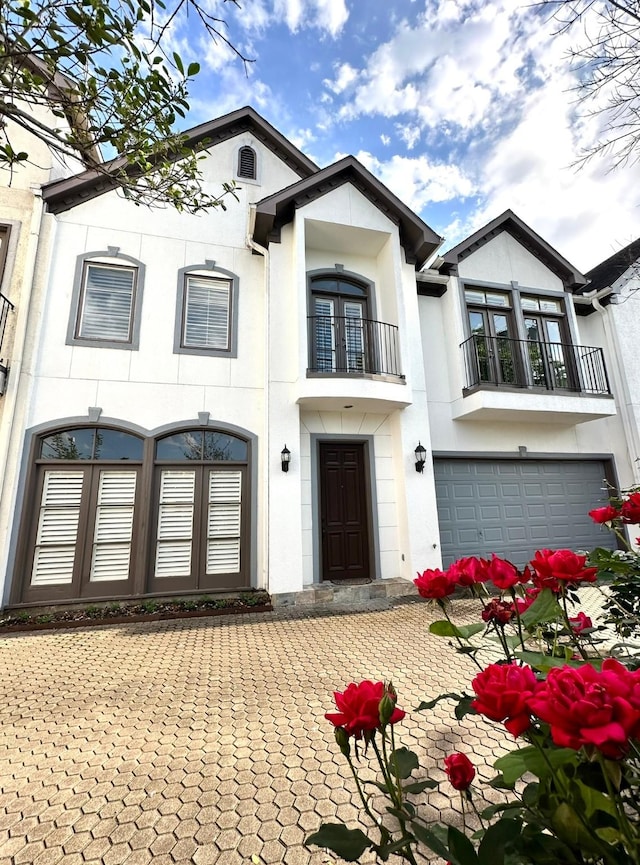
57 528
354 336
175 523
325 335
223 523
207 308
114 526
107 303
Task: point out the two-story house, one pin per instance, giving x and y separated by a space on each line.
281 395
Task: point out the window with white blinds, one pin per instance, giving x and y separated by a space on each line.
175 523
107 303
207 313
55 548
113 531
223 524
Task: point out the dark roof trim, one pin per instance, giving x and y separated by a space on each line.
61 195
571 277
418 240
608 272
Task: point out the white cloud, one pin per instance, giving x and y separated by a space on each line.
345 76
328 16
408 133
419 181
385 140
583 212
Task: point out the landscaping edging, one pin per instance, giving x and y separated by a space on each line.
99 621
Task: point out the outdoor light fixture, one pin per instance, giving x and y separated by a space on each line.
285 457
4 374
421 454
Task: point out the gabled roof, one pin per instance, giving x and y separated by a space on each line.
611 269
527 237
419 241
61 195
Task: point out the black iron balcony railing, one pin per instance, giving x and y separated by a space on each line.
504 362
345 345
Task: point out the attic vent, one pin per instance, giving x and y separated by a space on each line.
247 163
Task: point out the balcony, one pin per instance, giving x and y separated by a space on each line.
520 380
340 345
5 307
353 363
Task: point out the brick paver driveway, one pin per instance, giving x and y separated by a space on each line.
204 740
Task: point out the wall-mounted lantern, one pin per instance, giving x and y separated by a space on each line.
285 458
421 455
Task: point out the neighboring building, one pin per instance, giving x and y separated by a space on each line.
180 359
24 245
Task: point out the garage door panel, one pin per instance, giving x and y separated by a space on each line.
514 508
489 513
512 490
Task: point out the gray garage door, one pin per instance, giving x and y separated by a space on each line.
515 507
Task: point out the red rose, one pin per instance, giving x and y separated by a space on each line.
587 707
434 584
502 693
580 622
500 611
604 515
523 604
560 567
460 771
630 509
359 708
502 573
468 571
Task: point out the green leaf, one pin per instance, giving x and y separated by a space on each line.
595 800
540 661
462 849
178 61
514 765
402 762
430 704
496 839
348 844
545 608
464 707
433 837
444 628
419 786
193 69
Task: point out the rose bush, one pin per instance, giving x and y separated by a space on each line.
573 781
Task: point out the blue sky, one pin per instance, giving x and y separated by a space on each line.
462 108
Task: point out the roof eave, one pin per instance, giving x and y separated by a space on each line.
417 238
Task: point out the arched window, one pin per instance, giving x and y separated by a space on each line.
339 316
201 511
247 163
83 530
111 513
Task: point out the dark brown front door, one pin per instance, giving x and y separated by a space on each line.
344 511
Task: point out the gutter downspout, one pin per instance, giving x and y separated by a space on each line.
264 252
629 428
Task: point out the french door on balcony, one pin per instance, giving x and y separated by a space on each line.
339 334
495 358
550 365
